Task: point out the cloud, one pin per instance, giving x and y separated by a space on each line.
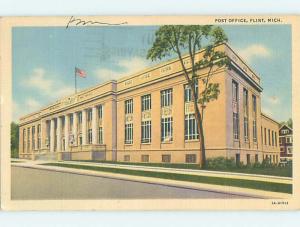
40 80
127 66
32 104
28 106
255 51
271 100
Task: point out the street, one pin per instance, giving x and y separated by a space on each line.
31 184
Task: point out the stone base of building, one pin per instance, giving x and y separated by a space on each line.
156 156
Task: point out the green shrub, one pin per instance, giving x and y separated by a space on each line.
220 163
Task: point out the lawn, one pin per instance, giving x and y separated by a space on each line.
272 171
252 184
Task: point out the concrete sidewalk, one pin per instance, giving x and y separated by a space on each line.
242 176
192 185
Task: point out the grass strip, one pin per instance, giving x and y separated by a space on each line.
260 185
282 172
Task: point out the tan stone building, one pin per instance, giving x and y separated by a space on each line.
149 117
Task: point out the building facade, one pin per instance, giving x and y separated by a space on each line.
149 117
286 143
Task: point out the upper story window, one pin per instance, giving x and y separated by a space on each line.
166 97
100 111
39 128
254 104
235 92
146 102
90 114
188 92
129 106
80 117
245 102
245 107
71 120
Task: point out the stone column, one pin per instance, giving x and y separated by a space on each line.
84 127
75 124
67 126
36 138
58 132
52 135
94 125
43 134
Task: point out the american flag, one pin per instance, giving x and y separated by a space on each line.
80 72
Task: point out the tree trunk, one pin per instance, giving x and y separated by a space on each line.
198 118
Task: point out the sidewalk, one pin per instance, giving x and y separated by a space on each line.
254 193
242 176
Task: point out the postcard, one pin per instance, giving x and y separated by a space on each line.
150 112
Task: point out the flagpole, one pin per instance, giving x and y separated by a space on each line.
75 81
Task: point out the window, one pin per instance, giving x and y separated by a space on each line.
254 118
166 158
288 139
248 159
265 133
71 121
276 139
245 107
145 158
236 126
146 131
269 136
126 158
146 102
167 129
235 93
129 133
188 93
190 127
80 117
237 159
166 97
272 138
90 136
100 135
80 139
190 158
90 114
256 158
129 106
100 111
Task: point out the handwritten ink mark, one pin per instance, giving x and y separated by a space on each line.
78 21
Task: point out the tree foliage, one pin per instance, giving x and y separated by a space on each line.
289 123
181 40
14 141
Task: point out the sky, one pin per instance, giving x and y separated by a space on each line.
44 60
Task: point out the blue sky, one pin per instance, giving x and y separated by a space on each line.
44 61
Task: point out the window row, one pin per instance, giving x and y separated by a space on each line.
165 158
190 132
269 137
166 99
236 125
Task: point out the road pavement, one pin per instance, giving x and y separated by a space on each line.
38 184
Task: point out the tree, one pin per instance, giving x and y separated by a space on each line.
14 140
289 123
181 39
